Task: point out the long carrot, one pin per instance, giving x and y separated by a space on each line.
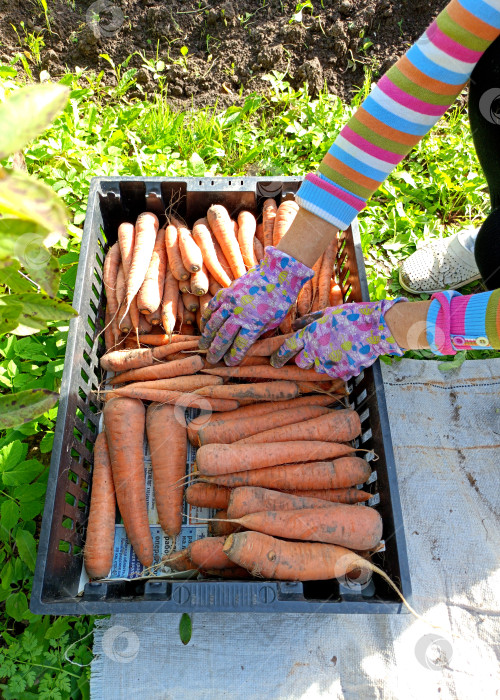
269 210
158 339
345 495
314 282
356 527
222 228
124 419
203 237
184 384
335 297
304 300
184 286
110 273
150 294
190 302
268 372
325 274
336 426
175 368
341 473
98 552
259 234
258 250
230 431
120 360
163 351
258 409
144 326
266 391
219 527
255 499
213 286
224 459
173 253
126 240
265 347
287 211
120 285
192 258
109 334
167 445
146 228
207 496
179 398
246 232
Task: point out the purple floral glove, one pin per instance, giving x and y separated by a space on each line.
343 341
252 305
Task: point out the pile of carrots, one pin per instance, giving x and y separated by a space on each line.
275 455
160 280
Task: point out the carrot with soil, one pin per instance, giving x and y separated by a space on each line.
269 210
164 370
336 426
98 552
246 232
287 211
174 254
203 237
150 294
223 230
208 496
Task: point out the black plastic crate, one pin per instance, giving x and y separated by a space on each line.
60 561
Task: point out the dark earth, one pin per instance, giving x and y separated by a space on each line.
227 46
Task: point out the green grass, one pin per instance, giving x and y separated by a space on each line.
103 131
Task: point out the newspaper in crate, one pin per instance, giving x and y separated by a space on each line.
125 563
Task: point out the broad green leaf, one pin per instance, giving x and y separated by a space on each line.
24 473
16 606
185 628
10 514
58 628
27 112
7 72
46 443
32 200
7 575
23 406
9 275
10 311
12 454
30 509
26 546
23 240
29 492
47 276
39 308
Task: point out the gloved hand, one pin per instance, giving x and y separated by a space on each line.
343 341
252 305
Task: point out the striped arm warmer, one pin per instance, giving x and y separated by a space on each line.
406 102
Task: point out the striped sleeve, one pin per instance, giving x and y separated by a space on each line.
406 102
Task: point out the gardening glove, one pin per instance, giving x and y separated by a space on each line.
343 341
252 305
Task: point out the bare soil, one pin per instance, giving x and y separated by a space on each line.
230 45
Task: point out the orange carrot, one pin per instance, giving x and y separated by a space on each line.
336 426
246 232
146 228
259 234
158 339
175 397
219 527
119 360
287 211
188 318
255 499
287 373
258 250
185 286
265 347
336 298
164 370
98 552
167 446
314 282
230 431
190 302
224 459
341 473
222 259
207 496
144 326
163 351
180 313
124 420
269 210
204 553
222 228
126 240
213 287
120 285
304 300
204 302
192 258
199 282
286 324
345 495
151 291
272 558
203 237
325 274
109 335
173 253
266 391
184 384
356 527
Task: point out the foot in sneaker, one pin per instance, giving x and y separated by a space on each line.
445 263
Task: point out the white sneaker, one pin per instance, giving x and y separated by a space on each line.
442 264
